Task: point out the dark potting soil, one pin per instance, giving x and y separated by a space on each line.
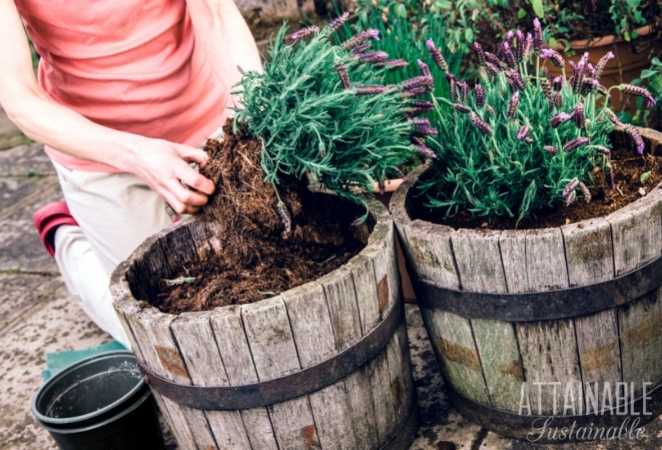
628 170
262 256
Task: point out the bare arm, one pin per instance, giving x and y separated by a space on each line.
225 36
161 164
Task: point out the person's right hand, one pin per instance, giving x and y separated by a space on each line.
164 166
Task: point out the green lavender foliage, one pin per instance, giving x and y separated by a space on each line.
404 26
311 125
651 79
496 174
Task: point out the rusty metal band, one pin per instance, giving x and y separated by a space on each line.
540 306
307 381
522 427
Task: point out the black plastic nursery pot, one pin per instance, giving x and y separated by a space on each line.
99 403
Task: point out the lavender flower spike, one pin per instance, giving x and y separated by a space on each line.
636 137
550 149
508 55
371 89
480 95
339 21
575 144
537 35
373 57
423 127
639 91
552 55
602 63
513 104
360 38
417 82
585 192
559 119
394 64
436 55
302 34
425 69
523 133
361 48
528 46
570 187
461 108
423 149
480 124
570 198
476 47
557 83
344 76
416 107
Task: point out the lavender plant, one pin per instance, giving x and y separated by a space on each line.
322 109
519 141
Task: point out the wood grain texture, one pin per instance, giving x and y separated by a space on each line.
641 341
275 355
637 232
233 346
197 343
513 254
478 260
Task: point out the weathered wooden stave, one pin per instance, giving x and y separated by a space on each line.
372 408
486 360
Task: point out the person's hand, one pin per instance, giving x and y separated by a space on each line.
164 166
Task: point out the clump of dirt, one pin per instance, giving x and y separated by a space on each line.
272 240
634 177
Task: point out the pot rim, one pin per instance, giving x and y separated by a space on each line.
401 215
603 41
121 414
55 421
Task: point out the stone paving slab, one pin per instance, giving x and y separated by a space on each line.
55 324
21 293
25 160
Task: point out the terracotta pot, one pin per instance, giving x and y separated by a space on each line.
631 58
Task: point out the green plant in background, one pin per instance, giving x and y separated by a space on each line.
651 79
322 109
519 142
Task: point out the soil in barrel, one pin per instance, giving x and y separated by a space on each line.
271 240
634 177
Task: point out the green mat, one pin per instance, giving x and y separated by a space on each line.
57 361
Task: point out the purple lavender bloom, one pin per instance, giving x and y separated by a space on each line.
339 21
417 107
462 89
302 34
422 149
452 85
362 48
508 55
589 84
520 40
461 108
423 127
639 91
575 144
537 35
360 38
436 55
371 89
425 69
515 79
557 83
479 52
493 59
547 88
344 76
602 63
552 55
513 104
394 64
636 137
570 187
373 57
602 149
415 83
578 115
559 119
550 149
480 95
579 71
523 133
480 124
528 46
491 68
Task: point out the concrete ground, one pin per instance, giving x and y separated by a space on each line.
37 316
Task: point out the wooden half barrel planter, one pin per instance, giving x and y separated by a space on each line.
321 366
561 322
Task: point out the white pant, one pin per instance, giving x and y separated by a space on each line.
116 212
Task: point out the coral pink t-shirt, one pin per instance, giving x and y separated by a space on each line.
131 65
